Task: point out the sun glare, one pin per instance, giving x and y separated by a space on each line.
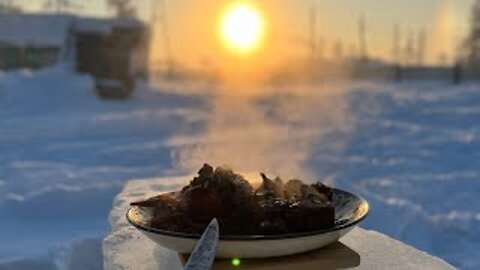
242 27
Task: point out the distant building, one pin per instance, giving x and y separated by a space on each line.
31 40
114 51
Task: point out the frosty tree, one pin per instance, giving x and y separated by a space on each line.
472 44
122 8
8 6
60 6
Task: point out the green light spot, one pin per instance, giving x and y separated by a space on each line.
235 261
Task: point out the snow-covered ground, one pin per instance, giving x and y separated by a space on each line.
64 155
412 149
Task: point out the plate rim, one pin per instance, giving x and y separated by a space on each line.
259 236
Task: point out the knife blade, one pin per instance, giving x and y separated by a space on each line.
203 254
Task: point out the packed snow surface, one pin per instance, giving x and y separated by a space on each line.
411 149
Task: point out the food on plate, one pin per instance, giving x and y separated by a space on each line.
275 207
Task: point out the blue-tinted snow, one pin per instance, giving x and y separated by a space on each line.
412 149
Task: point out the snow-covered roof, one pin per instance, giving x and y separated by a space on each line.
34 29
52 29
104 25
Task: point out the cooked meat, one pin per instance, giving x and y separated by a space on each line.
200 203
274 207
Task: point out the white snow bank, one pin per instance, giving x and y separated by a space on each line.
84 254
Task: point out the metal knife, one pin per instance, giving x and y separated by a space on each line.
203 254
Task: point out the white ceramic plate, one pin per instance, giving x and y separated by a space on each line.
350 209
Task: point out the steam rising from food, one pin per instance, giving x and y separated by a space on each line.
268 130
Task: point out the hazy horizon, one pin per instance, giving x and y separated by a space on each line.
288 27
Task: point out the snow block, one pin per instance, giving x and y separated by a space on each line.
126 248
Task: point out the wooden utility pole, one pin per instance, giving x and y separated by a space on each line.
421 46
396 41
397 53
362 38
321 48
159 19
352 51
410 49
338 50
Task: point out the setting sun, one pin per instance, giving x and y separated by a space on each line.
242 27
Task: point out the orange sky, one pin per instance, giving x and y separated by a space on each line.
194 37
445 22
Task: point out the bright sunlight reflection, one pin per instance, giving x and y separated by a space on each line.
242 27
